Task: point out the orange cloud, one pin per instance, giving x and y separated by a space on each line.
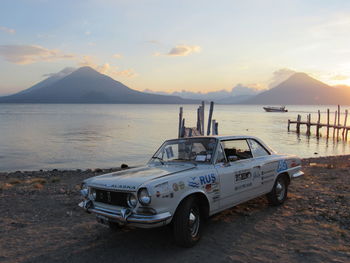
28 54
184 50
117 56
339 77
106 68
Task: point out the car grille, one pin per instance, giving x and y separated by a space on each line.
112 198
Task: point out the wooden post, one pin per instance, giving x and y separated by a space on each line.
202 119
210 116
338 122
183 128
335 123
213 127
346 134
298 123
327 123
308 125
345 119
199 120
180 121
318 124
216 128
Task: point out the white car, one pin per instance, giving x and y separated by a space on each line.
187 180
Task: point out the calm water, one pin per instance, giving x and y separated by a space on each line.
36 136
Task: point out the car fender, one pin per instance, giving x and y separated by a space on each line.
191 192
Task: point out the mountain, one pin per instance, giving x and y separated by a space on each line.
234 99
302 89
237 94
86 85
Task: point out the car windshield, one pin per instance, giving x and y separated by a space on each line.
199 150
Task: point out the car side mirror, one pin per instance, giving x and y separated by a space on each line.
232 158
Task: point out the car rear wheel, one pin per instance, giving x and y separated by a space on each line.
187 223
279 191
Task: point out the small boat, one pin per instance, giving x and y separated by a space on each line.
275 109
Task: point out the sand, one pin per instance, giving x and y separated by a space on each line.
40 222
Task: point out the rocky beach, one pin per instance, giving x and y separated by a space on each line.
41 222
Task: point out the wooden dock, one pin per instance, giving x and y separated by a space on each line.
199 130
336 125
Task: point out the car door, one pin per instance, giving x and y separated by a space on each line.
263 170
234 167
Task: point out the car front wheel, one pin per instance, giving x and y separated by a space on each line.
187 223
279 191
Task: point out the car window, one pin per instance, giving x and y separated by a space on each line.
221 156
187 149
257 149
237 150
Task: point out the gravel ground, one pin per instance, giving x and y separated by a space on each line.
40 222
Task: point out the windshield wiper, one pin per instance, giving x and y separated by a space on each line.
158 158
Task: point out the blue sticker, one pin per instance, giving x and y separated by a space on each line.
207 179
203 180
192 182
282 166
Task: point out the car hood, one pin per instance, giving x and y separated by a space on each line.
131 179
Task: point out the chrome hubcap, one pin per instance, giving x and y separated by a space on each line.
280 189
193 222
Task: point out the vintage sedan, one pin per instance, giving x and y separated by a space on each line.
187 180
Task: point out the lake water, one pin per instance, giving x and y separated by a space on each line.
66 136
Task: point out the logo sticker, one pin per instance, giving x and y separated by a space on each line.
175 187
182 185
193 182
282 166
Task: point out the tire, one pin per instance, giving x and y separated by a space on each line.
187 223
279 192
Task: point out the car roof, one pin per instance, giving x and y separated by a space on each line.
230 137
221 137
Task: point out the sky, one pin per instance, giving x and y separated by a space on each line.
167 46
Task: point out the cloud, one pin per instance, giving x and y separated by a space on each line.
218 95
106 68
27 54
117 56
339 77
279 76
184 50
64 72
7 30
155 42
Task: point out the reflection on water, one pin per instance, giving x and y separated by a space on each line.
44 136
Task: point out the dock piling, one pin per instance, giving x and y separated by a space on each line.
336 126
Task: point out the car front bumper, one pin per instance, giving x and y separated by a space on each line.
125 216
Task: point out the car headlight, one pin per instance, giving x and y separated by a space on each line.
144 197
84 190
132 200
